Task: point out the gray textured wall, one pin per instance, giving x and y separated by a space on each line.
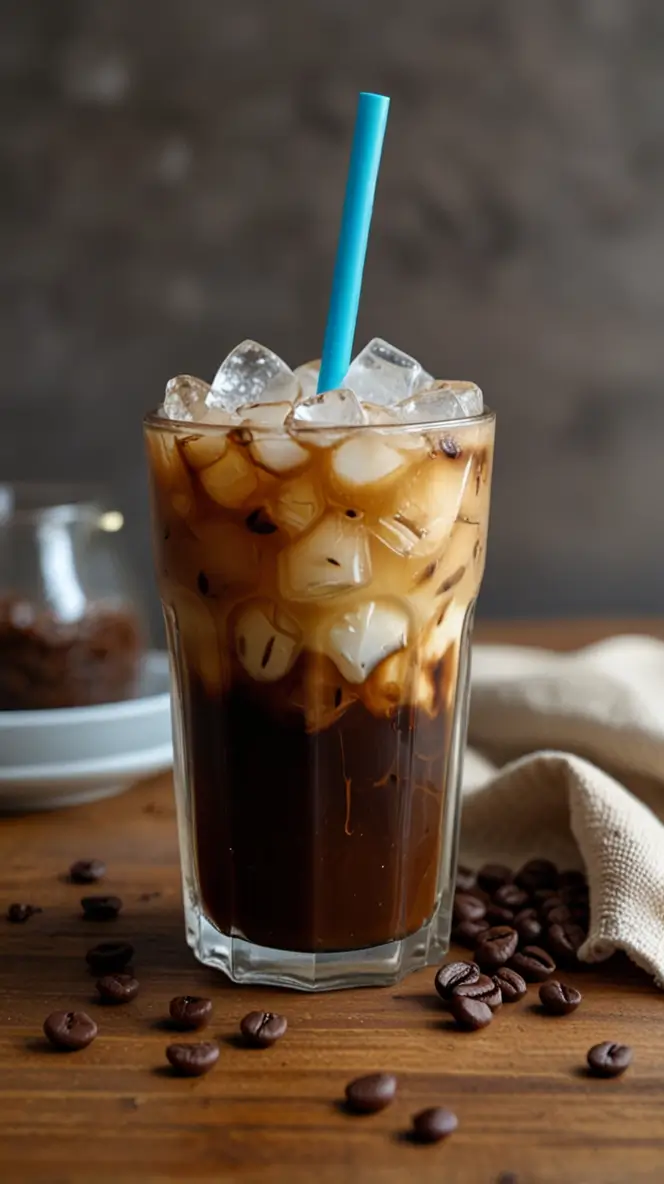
171 182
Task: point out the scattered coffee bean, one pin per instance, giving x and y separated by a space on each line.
533 964
465 879
467 908
507 1178
70 1030
433 1124
528 926
496 946
493 875
18 914
510 984
262 1029
87 871
484 989
117 988
109 956
472 1014
466 933
368 1095
510 896
193 1060
559 999
537 873
564 941
609 1059
496 915
190 1011
101 908
453 975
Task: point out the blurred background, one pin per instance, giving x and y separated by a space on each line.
171 182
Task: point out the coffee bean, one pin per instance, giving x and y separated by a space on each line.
496 915
262 1029
466 933
540 895
18 914
547 904
117 988
465 878
533 963
87 871
453 975
496 946
558 915
70 1030
190 1011
527 925
510 984
109 956
433 1124
472 1014
493 875
574 896
537 873
101 908
510 896
467 908
559 999
609 1059
564 941
368 1095
484 989
193 1060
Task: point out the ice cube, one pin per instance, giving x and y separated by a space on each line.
197 631
365 462
443 401
267 640
385 375
338 408
185 397
427 507
204 449
307 376
230 480
270 445
171 474
252 374
361 639
332 559
297 506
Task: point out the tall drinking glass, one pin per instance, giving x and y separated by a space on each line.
318 592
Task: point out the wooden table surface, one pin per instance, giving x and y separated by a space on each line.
114 1112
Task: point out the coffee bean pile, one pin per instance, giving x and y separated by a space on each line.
521 926
533 920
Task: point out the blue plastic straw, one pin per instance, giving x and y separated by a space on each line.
353 237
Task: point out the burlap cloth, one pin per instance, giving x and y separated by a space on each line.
583 735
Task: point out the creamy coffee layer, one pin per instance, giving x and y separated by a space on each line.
346 557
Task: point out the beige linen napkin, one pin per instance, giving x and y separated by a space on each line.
591 791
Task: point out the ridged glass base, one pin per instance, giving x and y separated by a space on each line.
378 966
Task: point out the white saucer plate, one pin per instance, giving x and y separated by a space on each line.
70 755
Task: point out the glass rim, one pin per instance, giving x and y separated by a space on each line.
39 501
153 419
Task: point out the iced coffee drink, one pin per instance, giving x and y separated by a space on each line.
319 557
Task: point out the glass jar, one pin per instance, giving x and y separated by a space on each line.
71 630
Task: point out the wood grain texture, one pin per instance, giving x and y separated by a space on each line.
115 1113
